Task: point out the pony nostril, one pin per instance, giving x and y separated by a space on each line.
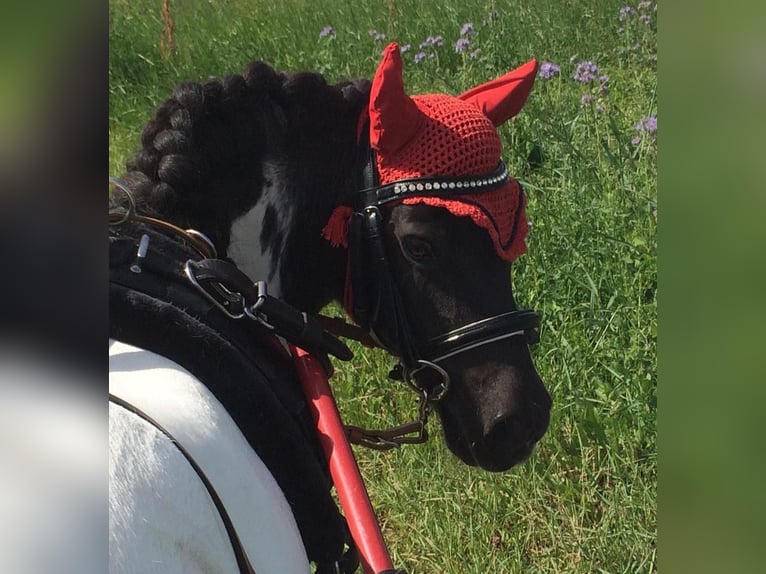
504 433
515 435
505 444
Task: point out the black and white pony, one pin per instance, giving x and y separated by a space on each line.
254 202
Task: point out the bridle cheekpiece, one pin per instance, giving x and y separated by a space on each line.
376 293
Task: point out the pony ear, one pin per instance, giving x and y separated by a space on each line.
503 97
394 117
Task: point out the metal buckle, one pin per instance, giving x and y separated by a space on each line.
229 299
252 311
434 393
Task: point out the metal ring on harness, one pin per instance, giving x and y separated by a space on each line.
117 216
433 393
119 184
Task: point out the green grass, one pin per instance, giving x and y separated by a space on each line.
586 501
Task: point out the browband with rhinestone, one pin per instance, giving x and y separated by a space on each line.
434 186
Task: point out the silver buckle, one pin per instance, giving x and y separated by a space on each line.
435 393
230 298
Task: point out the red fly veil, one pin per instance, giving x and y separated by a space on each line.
440 135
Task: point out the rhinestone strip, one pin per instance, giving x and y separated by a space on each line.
461 184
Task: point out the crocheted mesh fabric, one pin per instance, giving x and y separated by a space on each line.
457 139
500 212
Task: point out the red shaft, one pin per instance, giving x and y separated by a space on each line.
345 473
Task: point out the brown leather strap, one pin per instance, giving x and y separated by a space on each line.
190 236
414 432
341 328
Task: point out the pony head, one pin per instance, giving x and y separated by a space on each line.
441 135
443 183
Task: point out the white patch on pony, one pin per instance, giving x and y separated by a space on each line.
245 247
161 516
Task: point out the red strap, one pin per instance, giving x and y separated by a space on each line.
349 485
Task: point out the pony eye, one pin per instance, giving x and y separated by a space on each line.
417 248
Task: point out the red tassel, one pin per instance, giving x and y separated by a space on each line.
336 230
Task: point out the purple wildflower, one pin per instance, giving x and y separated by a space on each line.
475 54
404 49
645 18
636 140
462 45
376 35
327 31
548 70
648 125
626 12
467 29
586 71
643 5
419 56
437 41
586 99
599 109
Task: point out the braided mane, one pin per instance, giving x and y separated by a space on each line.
257 162
213 148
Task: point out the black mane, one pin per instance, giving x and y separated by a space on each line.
203 153
201 165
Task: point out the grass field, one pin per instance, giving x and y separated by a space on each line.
585 149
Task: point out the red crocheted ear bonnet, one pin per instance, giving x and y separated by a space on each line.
440 135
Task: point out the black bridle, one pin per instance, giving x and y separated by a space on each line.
377 295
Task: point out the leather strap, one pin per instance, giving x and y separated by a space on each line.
341 328
522 323
221 278
224 285
438 186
